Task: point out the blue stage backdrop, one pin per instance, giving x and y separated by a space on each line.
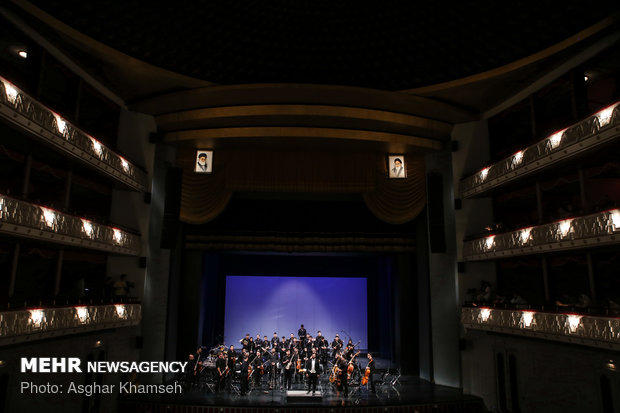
262 305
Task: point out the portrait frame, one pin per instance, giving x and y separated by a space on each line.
208 164
394 170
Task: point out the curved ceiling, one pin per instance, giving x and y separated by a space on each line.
406 45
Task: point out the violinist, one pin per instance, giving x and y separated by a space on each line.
244 375
336 345
370 369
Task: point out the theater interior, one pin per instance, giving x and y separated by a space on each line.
438 183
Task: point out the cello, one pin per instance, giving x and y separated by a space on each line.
351 367
366 376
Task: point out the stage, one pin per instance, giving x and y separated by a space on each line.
393 392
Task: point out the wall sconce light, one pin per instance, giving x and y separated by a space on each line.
125 164
97 146
526 318
87 226
36 317
121 311
615 218
489 242
573 322
61 125
517 158
11 91
604 116
82 314
485 313
564 227
484 173
49 216
556 139
525 235
118 235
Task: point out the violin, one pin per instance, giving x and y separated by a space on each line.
249 371
366 376
298 363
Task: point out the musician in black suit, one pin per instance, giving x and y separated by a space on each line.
275 340
245 342
371 367
230 364
342 364
220 367
302 335
244 375
313 369
336 345
258 369
288 365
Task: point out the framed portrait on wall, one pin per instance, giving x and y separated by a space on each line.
396 166
204 161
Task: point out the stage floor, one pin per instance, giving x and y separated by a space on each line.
395 391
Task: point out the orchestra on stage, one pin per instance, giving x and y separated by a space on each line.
280 363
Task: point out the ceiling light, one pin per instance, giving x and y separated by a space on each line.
485 313
121 311
23 54
36 316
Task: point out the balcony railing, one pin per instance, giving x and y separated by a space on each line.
596 331
41 323
19 108
598 129
573 233
34 221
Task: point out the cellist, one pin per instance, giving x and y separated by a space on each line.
370 369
